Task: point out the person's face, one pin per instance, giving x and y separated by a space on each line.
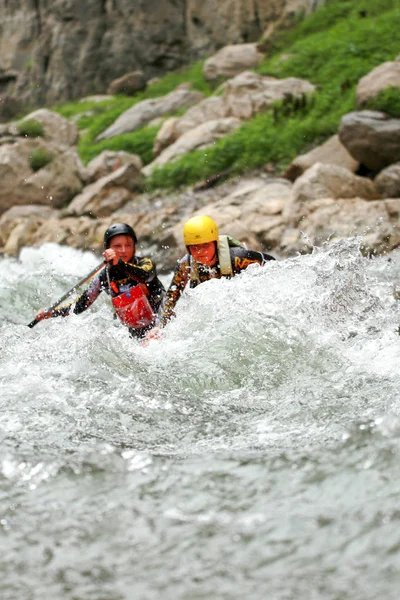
123 246
205 254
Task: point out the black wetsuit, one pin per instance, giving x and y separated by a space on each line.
241 258
117 279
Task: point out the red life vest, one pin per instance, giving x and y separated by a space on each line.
133 307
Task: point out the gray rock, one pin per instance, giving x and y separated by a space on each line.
232 60
143 112
109 161
371 137
128 84
332 152
388 181
380 78
56 128
326 181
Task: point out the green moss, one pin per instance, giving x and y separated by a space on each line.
30 128
388 101
139 142
39 159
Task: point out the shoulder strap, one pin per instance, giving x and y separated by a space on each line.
224 255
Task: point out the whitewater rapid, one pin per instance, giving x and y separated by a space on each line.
252 452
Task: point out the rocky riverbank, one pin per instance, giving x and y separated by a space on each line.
347 184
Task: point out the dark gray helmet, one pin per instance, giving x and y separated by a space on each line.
118 229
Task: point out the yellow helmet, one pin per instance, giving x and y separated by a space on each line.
200 230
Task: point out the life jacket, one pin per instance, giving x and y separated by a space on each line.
225 242
133 307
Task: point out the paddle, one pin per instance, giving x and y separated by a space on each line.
71 291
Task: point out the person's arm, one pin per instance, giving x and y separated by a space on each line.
178 284
89 296
242 258
81 304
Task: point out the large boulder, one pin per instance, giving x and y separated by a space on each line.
326 181
53 185
201 137
250 93
332 152
97 98
380 78
232 60
56 128
371 137
388 181
260 203
108 161
107 194
128 84
143 112
206 110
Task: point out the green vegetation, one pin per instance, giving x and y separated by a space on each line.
332 48
95 117
39 159
139 142
387 101
30 128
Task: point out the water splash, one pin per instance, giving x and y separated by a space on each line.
259 436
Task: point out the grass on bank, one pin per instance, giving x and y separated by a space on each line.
39 159
97 116
387 101
30 128
333 48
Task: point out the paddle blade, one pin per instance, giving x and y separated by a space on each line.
32 323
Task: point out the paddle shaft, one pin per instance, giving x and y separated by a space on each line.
71 291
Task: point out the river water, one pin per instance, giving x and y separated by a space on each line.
253 452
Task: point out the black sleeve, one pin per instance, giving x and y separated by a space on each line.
242 258
85 300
